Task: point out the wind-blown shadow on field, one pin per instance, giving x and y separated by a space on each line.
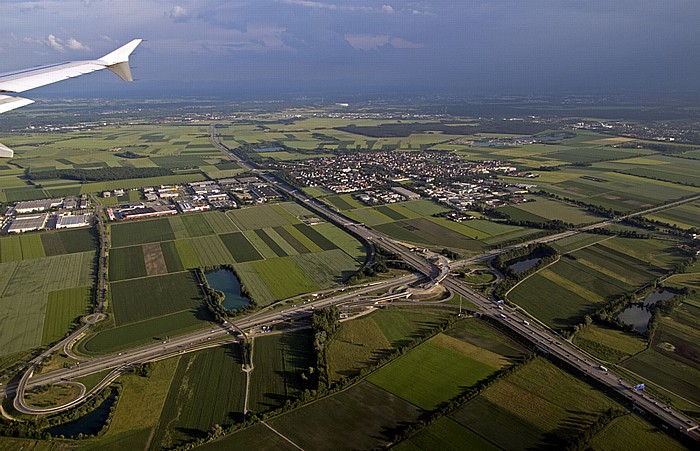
296 356
569 428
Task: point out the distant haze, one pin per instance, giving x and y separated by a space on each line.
327 46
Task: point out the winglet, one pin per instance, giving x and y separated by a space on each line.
118 60
6 152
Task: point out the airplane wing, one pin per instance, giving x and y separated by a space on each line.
24 80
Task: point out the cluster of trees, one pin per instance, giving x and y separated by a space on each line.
404 129
130 155
581 441
544 252
325 323
97 175
449 253
383 260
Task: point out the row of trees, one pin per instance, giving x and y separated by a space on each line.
96 175
325 323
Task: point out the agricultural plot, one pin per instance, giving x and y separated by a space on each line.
126 263
259 217
544 210
239 247
208 388
401 326
145 332
561 294
257 437
141 402
251 279
196 225
359 343
211 251
139 299
68 241
63 308
672 360
363 416
284 277
611 345
539 405
141 232
22 319
188 257
279 362
22 247
220 223
424 231
50 274
154 259
684 216
436 371
171 256
631 432
621 192
327 268
446 434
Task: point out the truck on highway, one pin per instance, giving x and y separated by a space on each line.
502 315
602 368
526 322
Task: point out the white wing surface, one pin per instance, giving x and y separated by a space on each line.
24 80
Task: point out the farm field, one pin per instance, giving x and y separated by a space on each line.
445 434
503 413
363 415
684 216
166 294
31 290
140 404
672 361
611 345
144 332
543 210
279 362
577 285
207 388
166 146
437 371
273 262
631 432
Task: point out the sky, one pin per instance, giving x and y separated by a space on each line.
448 47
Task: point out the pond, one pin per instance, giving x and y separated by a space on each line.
524 265
639 313
88 424
267 149
225 280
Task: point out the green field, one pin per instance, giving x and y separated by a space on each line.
445 434
144 332
631 432
543 210
279 362
126 263
362 416
561 294
140 232
437 371
539 405
284 277
28 319
62 309
139 299
609 344
208 388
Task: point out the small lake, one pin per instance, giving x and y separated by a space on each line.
639 313
225 280
89 424
524 265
